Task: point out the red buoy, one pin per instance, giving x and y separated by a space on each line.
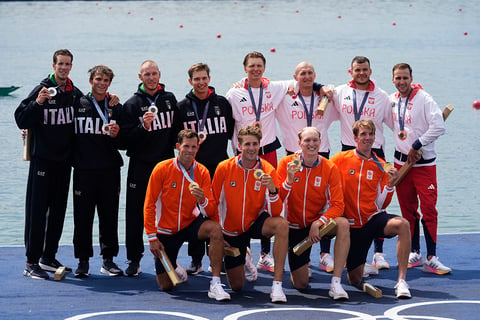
476 105
273 50
219 36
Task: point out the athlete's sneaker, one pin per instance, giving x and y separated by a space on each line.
435 266
402 291
34 271
414 259
251 272
82 269
277 295
182 273
379 261
337 292
110 268
369 269
133 269
326 263
194 268
216 292
266 262
52 265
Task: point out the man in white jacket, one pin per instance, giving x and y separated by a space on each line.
418 122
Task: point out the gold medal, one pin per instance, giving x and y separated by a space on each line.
258 173
193 185
402 135
296 161
387 166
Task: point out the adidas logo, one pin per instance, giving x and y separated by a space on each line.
295 104
243 99
431 187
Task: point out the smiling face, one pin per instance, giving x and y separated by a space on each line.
305 75
187 150
62 68
100 83
365 139
361 73
310 142
254 69
200 81
150 77
249 147
402 81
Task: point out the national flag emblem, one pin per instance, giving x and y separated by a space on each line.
371 100
369 174
217 110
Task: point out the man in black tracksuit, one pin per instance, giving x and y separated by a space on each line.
150 139
49 120
210 115
96 176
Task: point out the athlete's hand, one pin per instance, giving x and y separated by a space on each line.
114 100
113 129
314 234
326 91
155 247
414 155
148 118
198 193
43 95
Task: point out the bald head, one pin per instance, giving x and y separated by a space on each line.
303 65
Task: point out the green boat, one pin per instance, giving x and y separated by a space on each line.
5 91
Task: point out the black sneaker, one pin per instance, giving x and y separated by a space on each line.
133 269
195 268
52 265
109 267
35 272
82 269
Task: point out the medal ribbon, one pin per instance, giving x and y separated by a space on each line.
359 112
401 118
201 125
260 100
187 175
104 114
309 115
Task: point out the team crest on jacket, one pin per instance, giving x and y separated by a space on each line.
217 110
169 104
268 94
233 184
318 181
371 100
369 174
296 179
352 171
174 184
258 185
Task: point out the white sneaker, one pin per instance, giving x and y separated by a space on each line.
379 261
402 291
435 266
326 263
277 294
369 269
414 259
182 273
265 263
337 292
251 272
216 292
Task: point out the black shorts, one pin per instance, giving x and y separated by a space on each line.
173 243
294 237
243 241
361 238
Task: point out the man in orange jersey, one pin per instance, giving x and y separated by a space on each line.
245 188
179 197
312 194
368 190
